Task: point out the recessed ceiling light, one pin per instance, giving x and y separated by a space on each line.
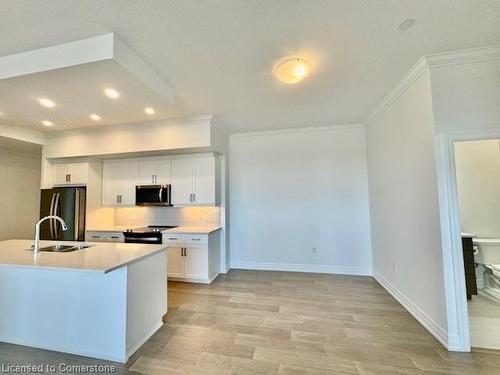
149 110
111 93
47 123
406 24
292 70
95 117
47 102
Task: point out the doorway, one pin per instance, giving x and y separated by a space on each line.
477 171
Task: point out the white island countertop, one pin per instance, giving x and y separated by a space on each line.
100 257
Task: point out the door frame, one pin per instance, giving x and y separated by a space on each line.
453 264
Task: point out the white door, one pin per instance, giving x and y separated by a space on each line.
196 258
182 182
204 179
175 262
119 181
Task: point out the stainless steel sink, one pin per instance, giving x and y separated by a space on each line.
63 248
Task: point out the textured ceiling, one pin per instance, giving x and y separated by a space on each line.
219 55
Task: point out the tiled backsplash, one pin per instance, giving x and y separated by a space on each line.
167 216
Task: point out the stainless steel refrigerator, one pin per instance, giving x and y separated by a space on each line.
69 204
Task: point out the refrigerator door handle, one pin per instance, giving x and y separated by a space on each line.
56 209
77 215
51 221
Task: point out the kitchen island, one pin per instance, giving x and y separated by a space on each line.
104 301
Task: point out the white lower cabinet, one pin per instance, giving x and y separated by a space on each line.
193 258
175 262
196 264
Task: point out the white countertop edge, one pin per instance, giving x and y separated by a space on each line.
181 229
184 229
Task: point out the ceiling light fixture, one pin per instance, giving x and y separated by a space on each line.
47 123
95 117
406 24
292 70
149 110
47 102
111 93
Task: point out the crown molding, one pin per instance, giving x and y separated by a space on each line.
297 130
464 56
429 62
406 82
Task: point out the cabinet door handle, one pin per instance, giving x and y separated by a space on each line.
96 237
68 177
116 237
172 238
195 239
194 197
185 252
152 178
118 199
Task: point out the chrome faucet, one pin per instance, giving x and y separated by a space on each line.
36 246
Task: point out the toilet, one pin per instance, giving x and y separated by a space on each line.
488 255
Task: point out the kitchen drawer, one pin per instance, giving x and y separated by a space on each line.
115 237
104 236
173 239
196 239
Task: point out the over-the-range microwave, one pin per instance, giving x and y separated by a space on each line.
153 195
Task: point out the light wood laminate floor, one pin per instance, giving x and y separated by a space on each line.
256 322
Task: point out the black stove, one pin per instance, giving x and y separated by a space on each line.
149 235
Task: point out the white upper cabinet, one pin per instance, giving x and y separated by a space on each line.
71 174
194 182
155 171
182 182
194 179
204 181
119 180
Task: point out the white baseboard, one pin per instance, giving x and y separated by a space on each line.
193 280
434 328
225 269
310 268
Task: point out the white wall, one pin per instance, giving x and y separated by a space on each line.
466 96
405 226
478 181
292 191
19 189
